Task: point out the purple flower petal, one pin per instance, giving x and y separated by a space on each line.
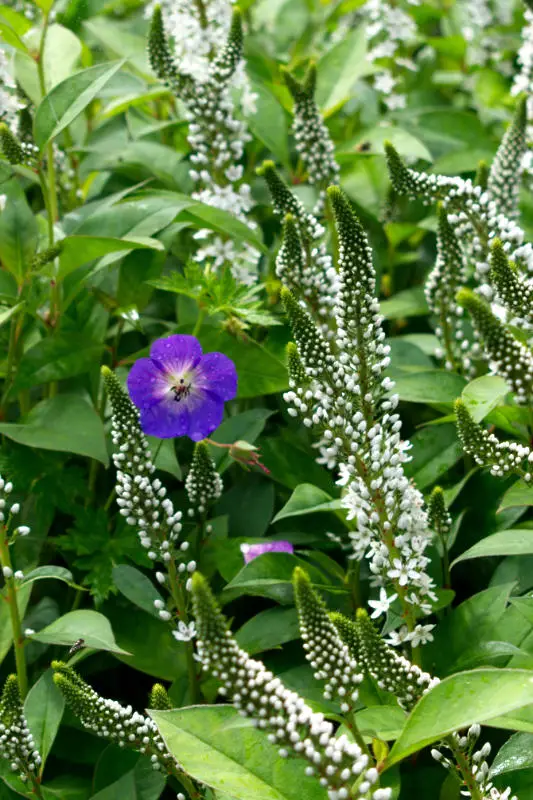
176 353
217 373
206 411
251 551
147 385
166 419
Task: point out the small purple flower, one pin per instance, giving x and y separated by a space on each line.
179 391
251 551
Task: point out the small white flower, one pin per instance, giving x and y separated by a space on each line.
28 632
3 200
185 632
421 635
382 605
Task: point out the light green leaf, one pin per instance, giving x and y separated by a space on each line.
459 701
18 232
431 386
269 123
383 722
221 749
58 40
504 543
7 313
519 494
43 709
79 250
307 499
407 303
139 589
66 423
222 222
164 456
483 394
68 99
86 624
339 68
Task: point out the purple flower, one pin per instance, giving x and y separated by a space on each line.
251 551
179 391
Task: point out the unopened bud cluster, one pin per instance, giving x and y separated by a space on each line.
216 136
16 742
338 387
339 765
111 720
503 458
476 760
326 652
203 483
313 141
391 671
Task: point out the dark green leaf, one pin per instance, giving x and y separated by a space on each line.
67 423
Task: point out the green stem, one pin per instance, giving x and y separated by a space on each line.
199 322
16 627
189 786
465 769
94 464
357 735
179 600
446 574
49 186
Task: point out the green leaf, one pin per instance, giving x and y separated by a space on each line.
247 426
57 573
515 754
459 701
140 783
407 303
382 722
85 624
339 68
307 499
152 647
259 371
269 123
221 749
435 450
56 358
269 629
517 542
10 36
519 494
270 575
164 456
222 222
79 250
68 99
139 589
7 313
43 709
483 394
58 40
67 423
18 232
431 386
